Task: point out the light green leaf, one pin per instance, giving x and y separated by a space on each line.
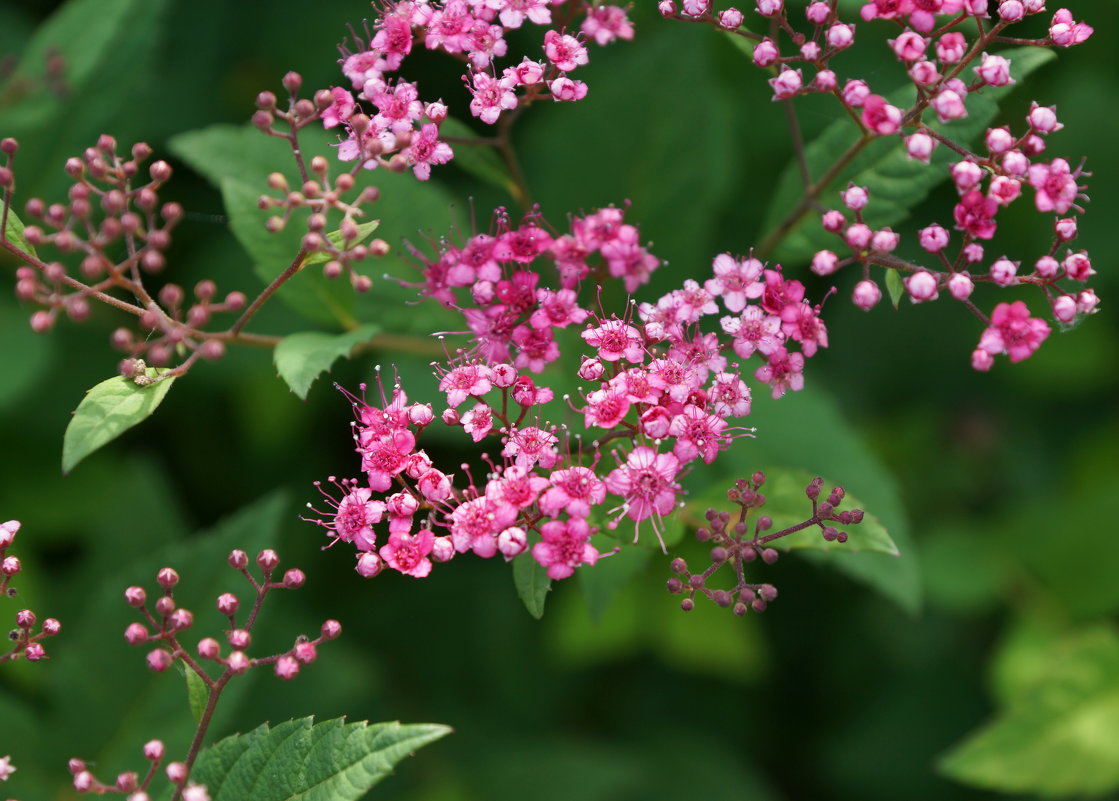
335 237
532 583
13 232
198 694
1060 738
894 287
328 761
896 183
301 358
107 411
481 161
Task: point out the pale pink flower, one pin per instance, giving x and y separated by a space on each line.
340 110
514 12
735 281
531 445
475 525
782 372
461 382
574 490
408 552
564 547
616 340
478 422
698 434
490 97
647 482
564 50
729 395
605 23
425 150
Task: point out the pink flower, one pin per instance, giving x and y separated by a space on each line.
647 482
698 434
1012 331
425 150
564 547
490 97
606 23
783 371
1064 32
976 214
340 110
574 490
408 552
478 422
1055 185
6 768
531 445
564 51
385 456
475 525
735 281
514 12
461 382
729 395
616 340
753 331
802 322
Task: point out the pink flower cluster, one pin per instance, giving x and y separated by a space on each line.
474 31
660 386
26 642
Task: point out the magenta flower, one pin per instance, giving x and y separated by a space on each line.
564 51
425 150
616 340
461 382
408 552
698 434
490 97
1012 331
1055 184
476 524
564 547
574 490
606 23
976 214
647 482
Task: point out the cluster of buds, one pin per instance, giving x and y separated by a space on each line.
132 786
663 392
947 67
339 245
744 540
404 130
26 641
114 231
164 628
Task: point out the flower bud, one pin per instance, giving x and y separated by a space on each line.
238 662
305 652
167 578
369 564
239 639
209 648
267 559
135 596
177 772
136 634
159 660
287 668
866 295
153 750
294 579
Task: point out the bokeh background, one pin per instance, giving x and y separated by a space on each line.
1000 486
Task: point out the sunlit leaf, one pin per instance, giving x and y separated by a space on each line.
301 358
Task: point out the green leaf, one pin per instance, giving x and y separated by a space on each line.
481 161
309 292
301 358
610 575
532 583
328 761
13 232
335 237
787 504
198 694
232 151
107 411
1059 739
895 182
894 287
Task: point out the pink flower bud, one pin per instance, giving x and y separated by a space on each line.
1043 119
436 112
999 140
153 750
855 197
238 662
1064 308
591 369
267 559
948 105
818 12
10 565
443 549
34 652
287 668
656 422
810 51
924 73
238 559
787 83
1011 10
833 221
1086 301
884 241
450 417
25 618
880 117
1004 190
239 639
164 605
731 19
765 53
995 70
909 46
824 262
919 147
196 792
966 174
696 8
417 464
973 253
159 660
135 634
177 772
209 648
167 578
951 47
181 619
126 782
331 630
83 781
981 360
840 35
858 236
667 8
770 8
420 414
866 295
402 504
825 81
1078 266
503 375
8 532
1065 229
75 766
960 286
294 578
305 652
51 627
855 93
1046 267
228 603
512 542
921 286
1015 163
1004 272
369 564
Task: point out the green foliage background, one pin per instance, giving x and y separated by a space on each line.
1006 587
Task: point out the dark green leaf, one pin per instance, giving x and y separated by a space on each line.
301 358
197 693
233 151
610 574
328 761
481 161
1059 738
895 182
13 232
894 287
532 582
107 411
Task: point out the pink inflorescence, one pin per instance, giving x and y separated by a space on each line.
26 641
661 386
949 51
397 128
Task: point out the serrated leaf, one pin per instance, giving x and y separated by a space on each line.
335 237
309 292
894 287
896 183
299 759
197 693
107 411
301 358
481 161
1059 739
13 232
532 583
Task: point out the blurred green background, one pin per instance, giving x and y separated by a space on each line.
1008 583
